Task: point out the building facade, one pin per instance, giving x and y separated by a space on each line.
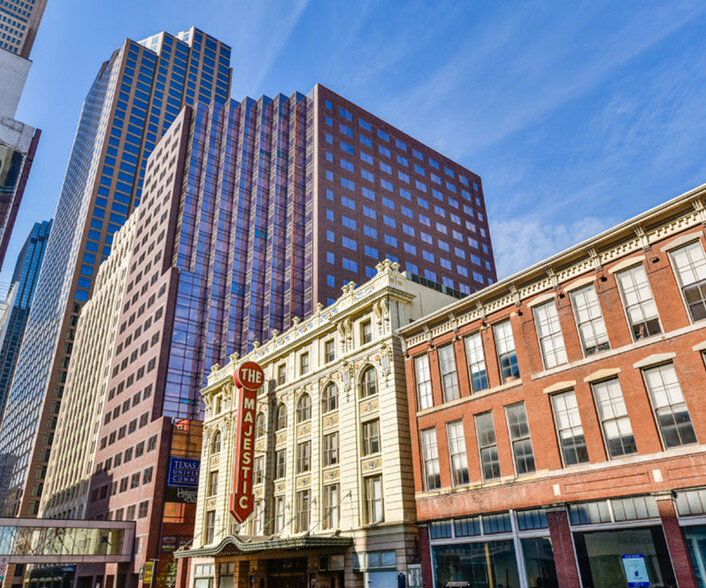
557 416
245 225
137 94
24 280
333 491
19 21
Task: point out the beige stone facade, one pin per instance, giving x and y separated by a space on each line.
71 463
334 496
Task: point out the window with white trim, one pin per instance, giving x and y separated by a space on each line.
487 445
690 265
638 302
423 377
476 362
457 453
671 413
589 320
505 347
551 341
520 439
569 430
614 419
449 379
430 455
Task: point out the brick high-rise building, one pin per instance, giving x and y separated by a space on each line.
136 95
558 417
253 214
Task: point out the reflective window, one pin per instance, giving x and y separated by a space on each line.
589 320
639 304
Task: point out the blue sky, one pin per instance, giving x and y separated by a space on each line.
577 115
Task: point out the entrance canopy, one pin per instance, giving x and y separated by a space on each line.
58 541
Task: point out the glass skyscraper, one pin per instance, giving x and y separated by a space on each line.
255 215
136 95
24 280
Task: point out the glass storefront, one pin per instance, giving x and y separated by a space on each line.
482 551
482 565
696 540
617 558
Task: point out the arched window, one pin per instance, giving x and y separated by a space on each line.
216 443
304 408
259 425
368 383
329 399
281 417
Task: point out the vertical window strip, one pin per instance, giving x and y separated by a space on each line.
639 303
457 453
669 406
589 320
423 377
449 379
476 362
569 429
430 455
613 416
551 341
520 439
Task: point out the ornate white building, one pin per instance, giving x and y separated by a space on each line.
333 482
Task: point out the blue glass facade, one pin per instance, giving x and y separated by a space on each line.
137 94
24 279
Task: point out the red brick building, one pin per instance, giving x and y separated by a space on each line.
558 416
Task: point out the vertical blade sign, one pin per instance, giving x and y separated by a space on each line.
248 379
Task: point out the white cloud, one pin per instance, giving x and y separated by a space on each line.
520 243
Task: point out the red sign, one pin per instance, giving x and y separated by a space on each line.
248 378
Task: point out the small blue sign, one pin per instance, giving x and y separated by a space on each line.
636 570
183 472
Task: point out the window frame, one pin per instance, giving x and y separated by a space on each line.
505 379
626 308
373 500
423 386
367 386
700 284
514 442
592 321
487 446
551 321
450 389
453 438
570 409
370 435
602 420
472 349
431 468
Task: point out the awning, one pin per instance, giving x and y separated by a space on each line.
235 545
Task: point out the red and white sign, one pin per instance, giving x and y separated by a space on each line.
248 378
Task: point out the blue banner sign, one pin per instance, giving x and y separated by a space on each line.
183 472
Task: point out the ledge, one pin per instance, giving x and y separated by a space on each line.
654 359
252 544
559 386
603 374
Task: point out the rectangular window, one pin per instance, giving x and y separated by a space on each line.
331 506
423 377
613 415
371 437
373 500
330 350
487 445
569 429
669 406
520 440
589 320
551 341
639 304
457 453
304 363
430 455
505 347
213 484
331 449
690 265
303 507
303 457
366 332
279 514
280 464
258 469
449 379
210 525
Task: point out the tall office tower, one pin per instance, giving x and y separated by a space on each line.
24 280
253 215
19 21
135 97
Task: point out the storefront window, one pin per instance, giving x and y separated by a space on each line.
483 565
696 540
607 558
539 563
